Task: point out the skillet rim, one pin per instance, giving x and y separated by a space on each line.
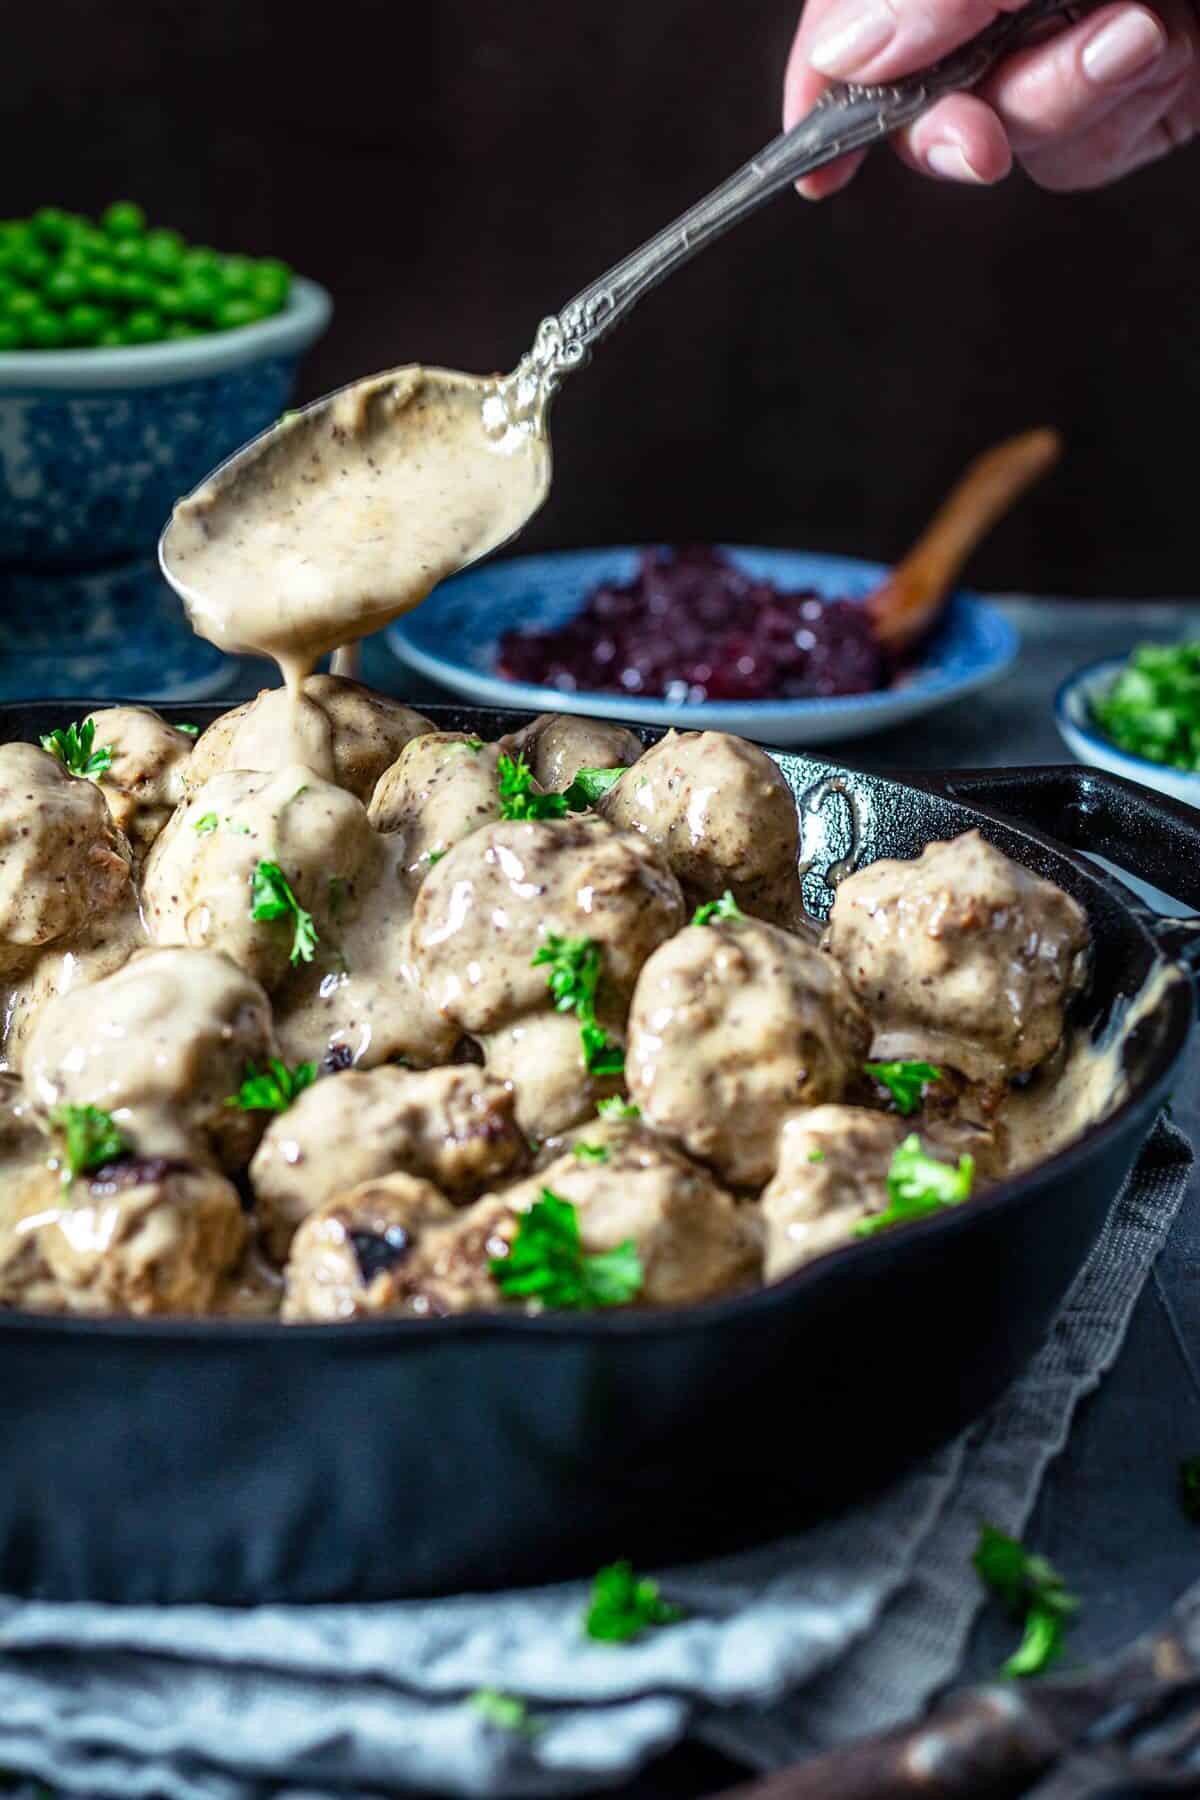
655 1323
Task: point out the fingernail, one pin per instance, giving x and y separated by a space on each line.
948 161
851 36
1122 47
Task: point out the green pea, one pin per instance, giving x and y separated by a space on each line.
201 261
22 303
163 252
123 219
85 322
132 288
143 326
46 331
11 335
101 281
126 252
171 301
50 225
63 287
201 298
73 256
111 338
179 328
237 272
235 312
32 265
272 281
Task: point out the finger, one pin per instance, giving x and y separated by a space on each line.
959 139
1064 87
876 40
1136 131
802 87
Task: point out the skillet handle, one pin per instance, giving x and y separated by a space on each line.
1156 839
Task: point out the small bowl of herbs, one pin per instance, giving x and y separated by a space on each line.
1138 716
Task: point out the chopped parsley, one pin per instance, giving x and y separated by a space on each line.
189 730
623 1605
434 856
547 1262
718 912
905 1081
1033 1590
73 748
618 1107
590 1153
272 898
517 798
208 823
465 746
816 1156
574 973
1153 706
918 1184
91 1138
504 1710
1189 1487
589 786
275 1088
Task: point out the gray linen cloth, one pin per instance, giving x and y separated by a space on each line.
790 1647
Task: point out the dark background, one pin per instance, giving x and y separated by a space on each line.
453 171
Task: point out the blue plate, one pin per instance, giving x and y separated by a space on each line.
453 638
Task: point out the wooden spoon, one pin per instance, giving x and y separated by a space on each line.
905 606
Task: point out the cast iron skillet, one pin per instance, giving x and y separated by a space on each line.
230 1462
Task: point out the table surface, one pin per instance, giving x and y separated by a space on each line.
1108 1514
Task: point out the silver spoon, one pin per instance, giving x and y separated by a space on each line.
512 414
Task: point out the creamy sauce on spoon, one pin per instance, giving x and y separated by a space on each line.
348 514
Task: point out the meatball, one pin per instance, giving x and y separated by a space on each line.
98 948
360 1001
693 1240
722 814
557 745
197 888
961 957
454 1126
507 893
349 1258
62 860
832 1173
161 1045
144 782
31 1195
441 788
734 1027
342 731
144 1237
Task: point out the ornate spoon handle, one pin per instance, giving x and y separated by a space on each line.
845 118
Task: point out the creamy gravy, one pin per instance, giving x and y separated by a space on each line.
354 512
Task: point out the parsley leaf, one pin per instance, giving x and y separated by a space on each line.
717 912
574 973
91 1138
432 857
623 1605
73 748
206 824
1027 1585
506 1711
905 1081
589 786
617 1107
1153 706
275 1088
189 730
1189 1487
590 1153
465 746
272 898
816 1156
517 798
918 1184
547 1262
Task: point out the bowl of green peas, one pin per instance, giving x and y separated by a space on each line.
130 363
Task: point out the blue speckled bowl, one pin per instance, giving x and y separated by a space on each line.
95 448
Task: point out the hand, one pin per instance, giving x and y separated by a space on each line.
1086 105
